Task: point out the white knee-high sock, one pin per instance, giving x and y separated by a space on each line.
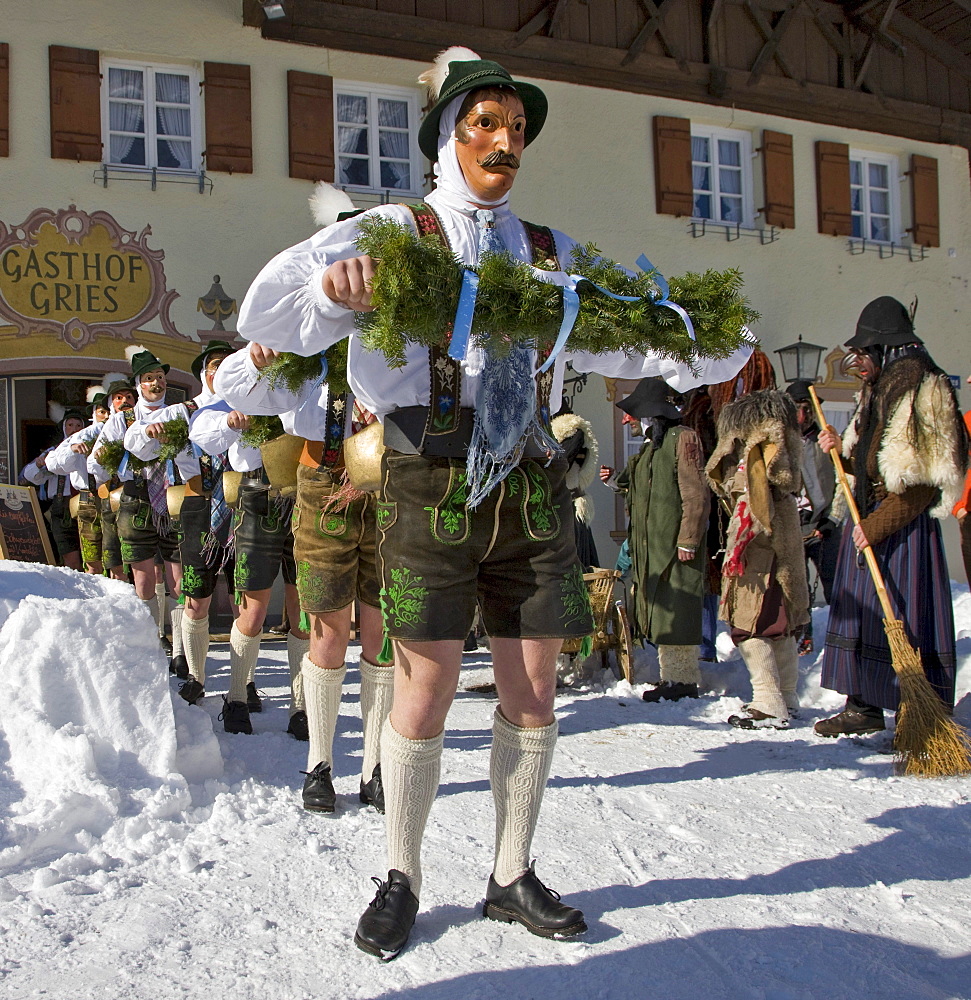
195 639
296 651
322 691
176 613
787 660
410 771
160 608
518 768
151 603
759 657
679 664
377 697
243 652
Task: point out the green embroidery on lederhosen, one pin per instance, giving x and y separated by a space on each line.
310 587
241 572
192 581
127 552
90 550
403 603
385 513
332 523
575 598
540 518
450 519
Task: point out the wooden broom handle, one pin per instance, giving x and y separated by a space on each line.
868 553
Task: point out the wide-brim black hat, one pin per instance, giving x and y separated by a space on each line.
798 390
213 347
472 74
885 322
652 397
145 361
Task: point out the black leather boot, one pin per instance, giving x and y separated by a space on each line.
533 905
671 691
857 719
318 790
385 925
372 792
235 717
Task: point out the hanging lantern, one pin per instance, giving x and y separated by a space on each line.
800 360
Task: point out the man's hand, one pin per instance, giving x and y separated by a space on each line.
605 473
237 421
829 439
262 356
686 555
80 448
156 431
349 283
859 539
41 461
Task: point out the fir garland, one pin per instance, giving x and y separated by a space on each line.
110 455
292 370
174 438
417 283
262 429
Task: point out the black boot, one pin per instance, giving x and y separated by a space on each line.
857 719
298 727
253 701
385 925
192 691
671 691
235 717
533 905
318 790
372 792
179 666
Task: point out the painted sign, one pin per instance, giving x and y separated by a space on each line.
80 276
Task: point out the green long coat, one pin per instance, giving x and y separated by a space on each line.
667 593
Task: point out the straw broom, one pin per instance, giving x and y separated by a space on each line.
928 742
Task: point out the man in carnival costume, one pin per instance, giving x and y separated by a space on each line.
144 527
474 505
907 449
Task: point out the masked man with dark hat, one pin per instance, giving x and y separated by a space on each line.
906 447
668 502
144 526
455 527
204 517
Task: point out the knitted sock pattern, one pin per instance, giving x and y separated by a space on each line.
518 768
377 697
322 692
759 657
296 651
410 770
195 639
679 664
243 652
176 612
151 603
787 660
161 608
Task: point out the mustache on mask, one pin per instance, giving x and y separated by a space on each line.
500 158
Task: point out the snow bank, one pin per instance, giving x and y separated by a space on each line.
96 758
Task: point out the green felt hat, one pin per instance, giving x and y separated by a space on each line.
213 347
120 386
473 74
145 361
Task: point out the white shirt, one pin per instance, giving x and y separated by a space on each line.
147 448
66 462
210 432
113 429
286 309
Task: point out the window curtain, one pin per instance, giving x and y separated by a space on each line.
125 87
174 121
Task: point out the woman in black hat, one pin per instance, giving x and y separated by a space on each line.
907 449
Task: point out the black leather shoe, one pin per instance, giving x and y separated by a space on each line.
253 701
385 925
857 719
179 666
372 792
671 691
318 790
235 717
192 691
166 644
533 905
298 727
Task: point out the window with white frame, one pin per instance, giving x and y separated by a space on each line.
874 196
150 116
377 138
721 170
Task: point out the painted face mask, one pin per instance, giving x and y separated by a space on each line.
490 140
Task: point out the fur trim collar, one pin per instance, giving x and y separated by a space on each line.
579 478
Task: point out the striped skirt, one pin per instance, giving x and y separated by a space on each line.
857 659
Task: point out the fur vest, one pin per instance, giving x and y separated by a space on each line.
756 468
579 475
918 438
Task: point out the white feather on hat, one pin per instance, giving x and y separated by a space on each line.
113 377
435 76
327 202
92 391
131 350
56 411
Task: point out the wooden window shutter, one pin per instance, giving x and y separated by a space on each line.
780 187
310 106
229 125
923 185
672 166
75 103
833 188
4 99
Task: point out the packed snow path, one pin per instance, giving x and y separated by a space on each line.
146 854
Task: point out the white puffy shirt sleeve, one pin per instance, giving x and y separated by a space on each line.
239 384
210 432
147 449
113 429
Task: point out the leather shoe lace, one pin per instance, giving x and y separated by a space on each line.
385 925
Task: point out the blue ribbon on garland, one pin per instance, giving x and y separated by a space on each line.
462 327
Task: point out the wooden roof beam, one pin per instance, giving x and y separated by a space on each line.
863 63
653 26
772 36
930 43
551 14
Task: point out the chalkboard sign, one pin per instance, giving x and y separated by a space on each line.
23 535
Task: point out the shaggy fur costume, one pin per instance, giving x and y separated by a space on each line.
760 431
579 477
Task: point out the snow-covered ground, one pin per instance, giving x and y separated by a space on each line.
145 853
